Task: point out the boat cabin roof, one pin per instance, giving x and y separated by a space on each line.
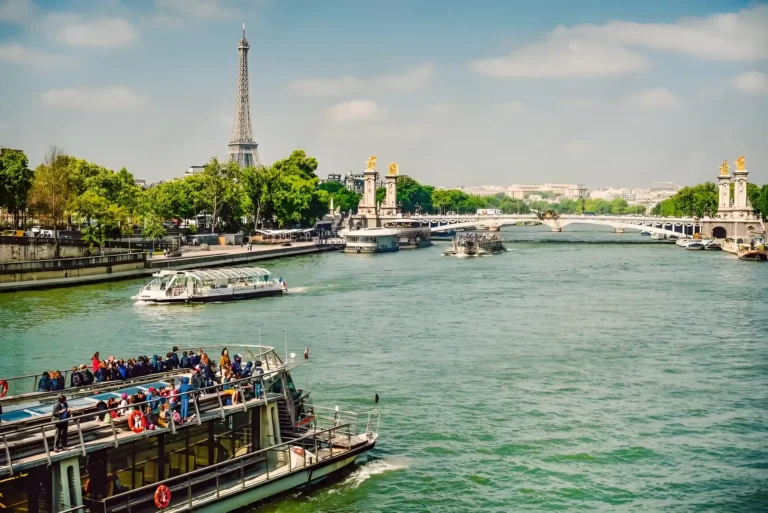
219 274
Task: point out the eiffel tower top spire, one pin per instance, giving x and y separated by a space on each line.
242 147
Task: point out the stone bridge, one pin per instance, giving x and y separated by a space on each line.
666 225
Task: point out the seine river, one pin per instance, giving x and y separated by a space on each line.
613 376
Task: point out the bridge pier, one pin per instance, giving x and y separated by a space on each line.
557 229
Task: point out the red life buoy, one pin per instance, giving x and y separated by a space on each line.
162 496
136 421
298 451
3 388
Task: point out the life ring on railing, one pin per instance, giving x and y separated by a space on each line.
87 486
162 496
136 421
3 387
298 451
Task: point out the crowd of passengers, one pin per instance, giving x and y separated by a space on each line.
159 405
111 369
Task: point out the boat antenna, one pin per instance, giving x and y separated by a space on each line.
285 336
259 335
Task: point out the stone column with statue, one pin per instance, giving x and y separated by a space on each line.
724 191
390 201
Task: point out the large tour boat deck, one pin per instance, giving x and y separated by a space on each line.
244 441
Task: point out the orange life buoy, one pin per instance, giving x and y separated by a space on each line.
87 485
136 421
298 451
162 496
3 388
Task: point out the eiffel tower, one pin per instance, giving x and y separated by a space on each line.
242 147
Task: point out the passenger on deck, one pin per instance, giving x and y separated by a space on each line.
225 364
257 373
163 418
247 371
229 389
45 384
58 380
184 363
138 398
87 375
60 412
101 373
237 367
122 370
95 361
184 390
175 364
111 404
207 371
197 379
75 378
153 363
123 405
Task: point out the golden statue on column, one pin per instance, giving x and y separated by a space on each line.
740 165
724 168
393 168
371 163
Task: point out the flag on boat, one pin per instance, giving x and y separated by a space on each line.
280 280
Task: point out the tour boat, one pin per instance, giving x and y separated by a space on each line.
755 253
242 442
646 233
694 245
202 286
476 245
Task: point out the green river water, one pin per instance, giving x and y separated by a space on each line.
616 376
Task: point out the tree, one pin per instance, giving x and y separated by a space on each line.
52 187
381 194
297 163
15 182
298 201
760 203
411 193
219 188
153 229
259 188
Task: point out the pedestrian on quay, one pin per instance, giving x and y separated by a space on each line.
61 414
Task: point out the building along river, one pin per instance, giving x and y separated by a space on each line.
555 376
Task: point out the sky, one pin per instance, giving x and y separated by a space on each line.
502 92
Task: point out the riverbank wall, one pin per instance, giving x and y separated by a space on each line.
64 268
27 249
84 275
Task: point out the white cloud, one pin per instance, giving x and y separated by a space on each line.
610 49
31 57
579 103
441 109
162 21
355 111
3 126
578 147
654 98
410 80
17 11
116 97
751 82
563 59
204 9
96 32
513 107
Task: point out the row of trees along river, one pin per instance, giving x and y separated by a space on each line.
67 191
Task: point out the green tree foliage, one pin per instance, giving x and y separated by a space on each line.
15 182
412 195
760 202
259 185
53 187
381 194
342 197
220 192
297 163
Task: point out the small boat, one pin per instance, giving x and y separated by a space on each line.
645 233
694 245
754 253
203 286
712 244
476 245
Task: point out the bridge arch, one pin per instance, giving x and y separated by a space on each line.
719 232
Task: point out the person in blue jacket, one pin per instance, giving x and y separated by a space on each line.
45 384
185 397
237 365
185 362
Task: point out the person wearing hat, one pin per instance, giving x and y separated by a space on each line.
123 405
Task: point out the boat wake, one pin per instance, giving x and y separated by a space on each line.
297 290
373 468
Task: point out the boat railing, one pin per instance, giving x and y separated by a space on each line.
19 438
267 355
232 476
87 390
323 417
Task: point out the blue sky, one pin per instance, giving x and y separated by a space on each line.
458 93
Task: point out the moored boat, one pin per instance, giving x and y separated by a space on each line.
202 286
217 447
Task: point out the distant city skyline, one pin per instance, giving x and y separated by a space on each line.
595 92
